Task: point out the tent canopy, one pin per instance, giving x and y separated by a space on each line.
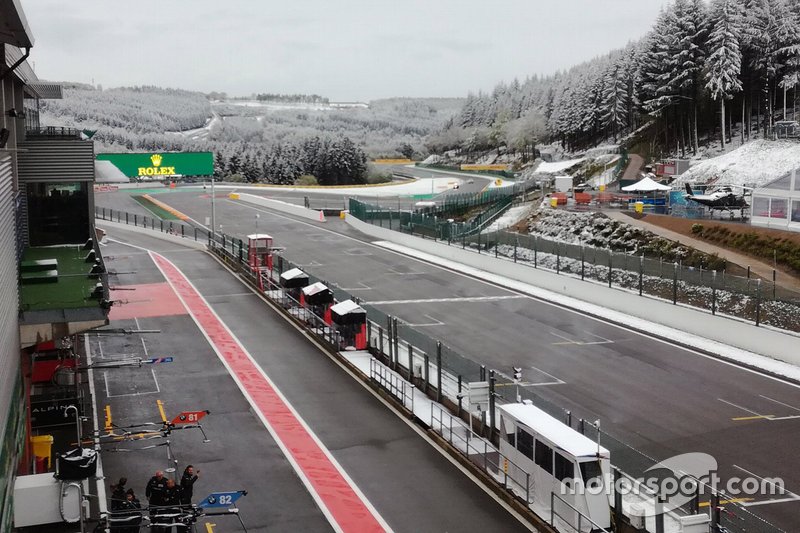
348 312
646 184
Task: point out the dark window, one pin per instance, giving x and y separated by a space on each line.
544 456
590 470
58 213
564 469
525 443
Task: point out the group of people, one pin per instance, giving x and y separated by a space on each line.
165 499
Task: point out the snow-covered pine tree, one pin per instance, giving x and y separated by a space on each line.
614 116
724 56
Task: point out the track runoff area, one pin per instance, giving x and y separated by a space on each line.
667 400
333 456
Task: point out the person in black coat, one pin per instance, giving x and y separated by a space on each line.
155 489
132 509
118 493
187 484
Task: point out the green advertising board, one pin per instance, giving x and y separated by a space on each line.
162 164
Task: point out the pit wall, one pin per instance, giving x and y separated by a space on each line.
277 205
720 336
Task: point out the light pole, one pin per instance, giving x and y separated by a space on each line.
257 217
213 211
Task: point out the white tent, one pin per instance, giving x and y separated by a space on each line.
647 184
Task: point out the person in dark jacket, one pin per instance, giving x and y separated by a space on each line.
131 509
118 493
155 489
187 484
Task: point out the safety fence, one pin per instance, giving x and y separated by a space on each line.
443 374
746 297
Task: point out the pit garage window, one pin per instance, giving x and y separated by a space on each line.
544 457
760 206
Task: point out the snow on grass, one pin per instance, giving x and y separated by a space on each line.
509 218
753 164
557 167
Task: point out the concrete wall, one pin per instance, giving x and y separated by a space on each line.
283 207
690 326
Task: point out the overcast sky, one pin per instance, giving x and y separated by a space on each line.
342 49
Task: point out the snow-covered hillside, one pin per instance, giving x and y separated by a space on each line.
751 165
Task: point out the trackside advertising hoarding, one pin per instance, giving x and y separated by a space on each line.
162 164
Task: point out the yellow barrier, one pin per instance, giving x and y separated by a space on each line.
392 161
639 207
342 214
165 207
553 202
233 196
43 446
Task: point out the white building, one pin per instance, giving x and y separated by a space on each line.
777 204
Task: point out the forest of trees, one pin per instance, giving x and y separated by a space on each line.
703 70
254 143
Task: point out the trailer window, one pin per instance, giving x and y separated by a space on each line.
507 432
564 469
590 471
525 443
544 456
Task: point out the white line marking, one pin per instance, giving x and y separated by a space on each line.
105 379
784 490
780 403
742 408
579 343
153 371
363 287
436 322
449 300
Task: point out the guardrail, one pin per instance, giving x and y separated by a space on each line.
584 523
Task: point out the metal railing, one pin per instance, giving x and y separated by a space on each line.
482 453
393 383
577 522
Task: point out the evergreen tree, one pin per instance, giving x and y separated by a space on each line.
725 57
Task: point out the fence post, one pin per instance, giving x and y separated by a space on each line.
426 373
610 267
714 293
748 271
569 418
479 242
641 273
195 234
516 243
240 245
535 251
126 217
617 495
774 280
104 213
135 219
389 325
491 404
439 371
659 512
583 261
459 396
395 336
410 363
582 426
674 283
380 340
758 302
497 241
558 259
161 226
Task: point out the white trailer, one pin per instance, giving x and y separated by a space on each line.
563 183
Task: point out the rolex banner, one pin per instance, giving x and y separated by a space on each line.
162 165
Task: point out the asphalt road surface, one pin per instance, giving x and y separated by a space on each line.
411 485
656 397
